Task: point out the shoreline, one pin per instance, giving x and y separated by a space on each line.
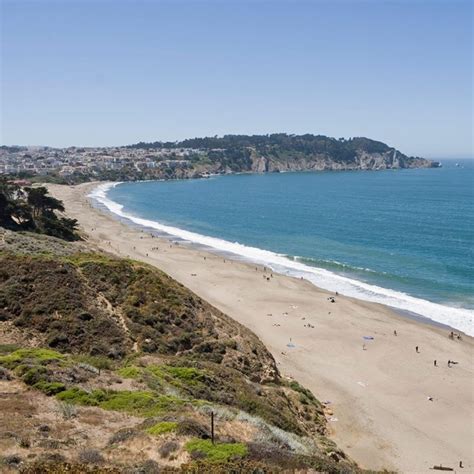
227 254
454 318
379 413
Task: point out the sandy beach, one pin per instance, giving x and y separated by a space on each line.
388 406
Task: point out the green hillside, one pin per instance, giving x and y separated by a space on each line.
110 364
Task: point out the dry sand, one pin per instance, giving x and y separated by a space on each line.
381 414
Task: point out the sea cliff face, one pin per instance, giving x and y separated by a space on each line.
362 161
265 163
259 163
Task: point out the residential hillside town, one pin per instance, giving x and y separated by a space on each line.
66 162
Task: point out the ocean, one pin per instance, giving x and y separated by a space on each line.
403 238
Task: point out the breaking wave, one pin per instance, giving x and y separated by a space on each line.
458 318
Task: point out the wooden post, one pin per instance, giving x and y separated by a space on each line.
212 427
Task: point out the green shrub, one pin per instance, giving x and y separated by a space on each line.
145 404
32 375
37 355
81 397
7 348
302 390
222 452
50 388
130 372
162 428
189 375
132 402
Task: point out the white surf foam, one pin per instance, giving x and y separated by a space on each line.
458 318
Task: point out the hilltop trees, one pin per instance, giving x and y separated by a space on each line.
41 204
33 209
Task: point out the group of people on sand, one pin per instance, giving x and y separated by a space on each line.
453 335
435 362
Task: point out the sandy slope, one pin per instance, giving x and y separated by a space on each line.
379 396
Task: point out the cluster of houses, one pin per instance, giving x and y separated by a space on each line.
64 162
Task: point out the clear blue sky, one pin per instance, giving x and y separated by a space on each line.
118 72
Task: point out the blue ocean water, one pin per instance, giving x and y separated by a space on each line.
399 237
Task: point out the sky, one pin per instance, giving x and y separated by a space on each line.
97 73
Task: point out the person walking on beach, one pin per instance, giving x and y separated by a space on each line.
435 363
416 349
395 333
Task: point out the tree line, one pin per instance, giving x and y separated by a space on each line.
276 145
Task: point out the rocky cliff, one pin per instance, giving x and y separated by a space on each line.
320 162
282 152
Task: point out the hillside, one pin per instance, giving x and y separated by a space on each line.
282 152
109 365
200 157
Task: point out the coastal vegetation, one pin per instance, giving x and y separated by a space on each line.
233 147
138 363
33 209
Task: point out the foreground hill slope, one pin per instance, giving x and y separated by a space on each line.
109 365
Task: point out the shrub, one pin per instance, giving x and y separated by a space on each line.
90 456
99 362
50 388
4 374
138 403
303 391
122 435
193 428
12 460
189 375
67 410
135 402
168 448
188 379
222 452
7 348
40 356
32 375
130 372
81 397
149 467
162 428
24 443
